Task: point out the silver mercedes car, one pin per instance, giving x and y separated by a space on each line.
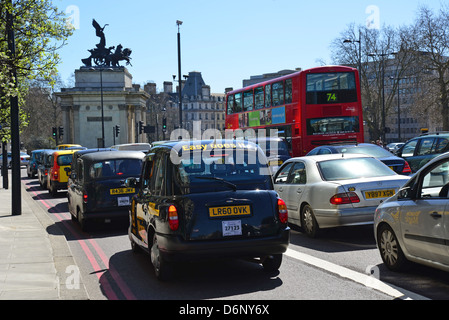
334 190
413 225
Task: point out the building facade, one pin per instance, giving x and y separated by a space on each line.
102 98
198 105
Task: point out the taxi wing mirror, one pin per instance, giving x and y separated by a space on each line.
131 182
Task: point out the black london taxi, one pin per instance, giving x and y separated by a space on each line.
44 167
97 191
207 199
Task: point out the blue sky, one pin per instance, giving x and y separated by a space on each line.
227 40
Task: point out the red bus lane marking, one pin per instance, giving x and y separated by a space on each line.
109 292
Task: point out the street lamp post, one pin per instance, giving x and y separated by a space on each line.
16 198
360 53
101 69
179 23
382 55
102 108
398 79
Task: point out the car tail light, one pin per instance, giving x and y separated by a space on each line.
282 211
173 220
345 198
46 171
407 168
85 197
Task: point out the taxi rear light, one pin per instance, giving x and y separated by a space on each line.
173 220
345 198
282 211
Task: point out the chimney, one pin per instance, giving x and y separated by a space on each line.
150 88
168 87
205 92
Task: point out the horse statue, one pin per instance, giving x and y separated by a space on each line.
119 55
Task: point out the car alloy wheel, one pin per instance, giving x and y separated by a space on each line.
162 268
390 250
308 221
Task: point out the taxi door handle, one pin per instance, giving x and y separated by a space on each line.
435 215
280 189
299 191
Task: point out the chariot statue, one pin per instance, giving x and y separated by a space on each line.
103 56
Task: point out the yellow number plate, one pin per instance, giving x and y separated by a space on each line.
122 190
379 194
229 211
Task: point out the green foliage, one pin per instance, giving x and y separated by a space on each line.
40 29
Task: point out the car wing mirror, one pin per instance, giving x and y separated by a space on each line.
405 193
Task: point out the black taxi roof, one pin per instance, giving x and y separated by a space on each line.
108 155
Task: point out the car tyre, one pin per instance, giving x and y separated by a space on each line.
82 221
52 190
162 268
272 263
390 249
308 222
135 247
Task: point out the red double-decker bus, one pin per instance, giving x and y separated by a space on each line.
309 108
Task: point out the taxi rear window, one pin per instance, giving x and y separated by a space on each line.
206 165
64 160
115 168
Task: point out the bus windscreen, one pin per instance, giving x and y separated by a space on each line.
326 88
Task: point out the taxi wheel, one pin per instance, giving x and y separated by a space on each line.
308 222
390 250
272 263
53 191
82 221
162 268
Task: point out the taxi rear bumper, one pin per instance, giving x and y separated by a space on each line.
109 213
173 248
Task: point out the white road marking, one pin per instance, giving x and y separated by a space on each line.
364 279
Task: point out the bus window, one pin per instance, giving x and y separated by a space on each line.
268 96
258 98
230 104
278 93
288 91
238 102
248 100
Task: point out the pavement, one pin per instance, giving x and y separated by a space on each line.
35 259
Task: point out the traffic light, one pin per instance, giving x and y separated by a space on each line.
141 127
54 132
117 130
164 124
61 131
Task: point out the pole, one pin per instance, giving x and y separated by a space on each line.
15 136
102 109
179 75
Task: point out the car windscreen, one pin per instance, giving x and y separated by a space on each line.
115 168
353 168
222 168
374 151
272 148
